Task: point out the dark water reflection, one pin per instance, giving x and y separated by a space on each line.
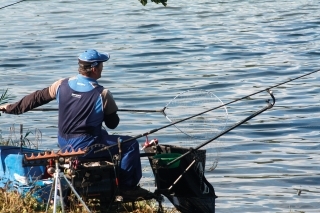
231 48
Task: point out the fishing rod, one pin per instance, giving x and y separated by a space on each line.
179 121
120 110
11 4
222 105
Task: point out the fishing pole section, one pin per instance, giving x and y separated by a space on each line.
120 110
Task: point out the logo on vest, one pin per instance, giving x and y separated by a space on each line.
75 95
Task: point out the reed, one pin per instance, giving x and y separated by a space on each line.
4 97
13 202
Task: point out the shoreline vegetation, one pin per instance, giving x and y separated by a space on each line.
12 201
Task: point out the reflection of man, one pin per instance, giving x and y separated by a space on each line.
83 106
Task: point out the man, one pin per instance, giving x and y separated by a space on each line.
83 106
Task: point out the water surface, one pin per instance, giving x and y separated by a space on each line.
230 48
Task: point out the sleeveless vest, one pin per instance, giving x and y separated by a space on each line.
75 109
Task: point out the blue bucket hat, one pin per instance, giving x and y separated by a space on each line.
92 56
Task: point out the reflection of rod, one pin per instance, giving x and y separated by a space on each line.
269 106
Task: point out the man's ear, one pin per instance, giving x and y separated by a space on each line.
94 69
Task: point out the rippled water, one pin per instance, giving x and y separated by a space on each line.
230 48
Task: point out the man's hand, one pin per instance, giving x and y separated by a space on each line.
3 107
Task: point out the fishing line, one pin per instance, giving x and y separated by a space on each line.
11 4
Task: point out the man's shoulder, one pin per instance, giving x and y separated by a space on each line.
106 94
54 87
58 82
71 78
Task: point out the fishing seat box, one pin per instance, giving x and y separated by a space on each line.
95 179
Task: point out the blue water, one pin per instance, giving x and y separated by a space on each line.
230 48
